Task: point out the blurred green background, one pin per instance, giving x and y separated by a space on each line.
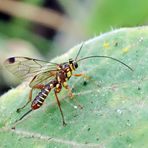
47 28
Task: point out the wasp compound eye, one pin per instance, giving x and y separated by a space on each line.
75 65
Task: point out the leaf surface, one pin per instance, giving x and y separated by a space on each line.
114 100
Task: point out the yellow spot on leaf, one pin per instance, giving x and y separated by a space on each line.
106 45
125 50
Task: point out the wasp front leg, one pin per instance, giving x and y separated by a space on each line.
86 78
82 75
39 86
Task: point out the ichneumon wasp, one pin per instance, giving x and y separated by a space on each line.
47 76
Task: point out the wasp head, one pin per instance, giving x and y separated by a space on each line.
73 63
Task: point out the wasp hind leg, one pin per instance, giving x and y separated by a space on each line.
59 105
39 86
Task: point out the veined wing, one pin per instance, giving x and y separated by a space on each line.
43 77
24 67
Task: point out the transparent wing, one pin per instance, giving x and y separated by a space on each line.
24 67
43 78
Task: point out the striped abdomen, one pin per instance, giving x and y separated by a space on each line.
40 98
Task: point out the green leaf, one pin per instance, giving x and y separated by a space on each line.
114 100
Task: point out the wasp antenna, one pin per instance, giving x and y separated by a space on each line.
79 51
108 58
23 116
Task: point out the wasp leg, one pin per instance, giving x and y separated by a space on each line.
39 86
59 105
86 77
82 75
